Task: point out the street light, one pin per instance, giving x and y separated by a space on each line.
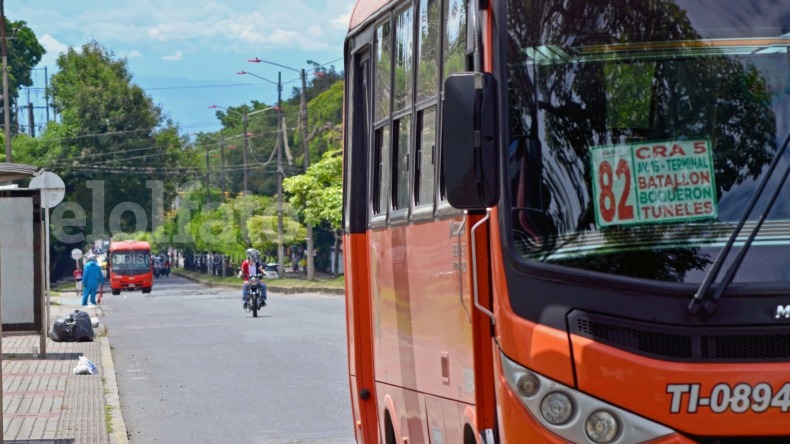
280 142
303 117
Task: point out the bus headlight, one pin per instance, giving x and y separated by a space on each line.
528 385
556 408
574 415
602 427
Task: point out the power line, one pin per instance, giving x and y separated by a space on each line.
200 86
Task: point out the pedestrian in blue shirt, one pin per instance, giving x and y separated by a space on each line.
91 278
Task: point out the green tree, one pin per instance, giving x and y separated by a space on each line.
325 112
318 194
325 118
110 131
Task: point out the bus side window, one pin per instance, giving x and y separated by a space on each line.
424 158
429 31
382 99
402 91
381 174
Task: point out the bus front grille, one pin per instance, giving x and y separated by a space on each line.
684 343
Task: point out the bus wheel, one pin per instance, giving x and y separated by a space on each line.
469 436
116 292
389 430
147 290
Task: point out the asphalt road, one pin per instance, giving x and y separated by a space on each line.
192 366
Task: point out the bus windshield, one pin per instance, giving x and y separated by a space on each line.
131 263
639 131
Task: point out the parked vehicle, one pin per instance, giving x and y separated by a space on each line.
270 271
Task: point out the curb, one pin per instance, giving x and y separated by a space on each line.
118 435
111 398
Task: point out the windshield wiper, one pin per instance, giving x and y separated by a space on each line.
701 298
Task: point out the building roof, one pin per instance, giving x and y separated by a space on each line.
15 171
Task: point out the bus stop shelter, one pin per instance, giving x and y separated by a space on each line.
23 255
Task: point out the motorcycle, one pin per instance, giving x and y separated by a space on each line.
255 295
158 268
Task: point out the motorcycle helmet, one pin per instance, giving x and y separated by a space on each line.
252 254
91 258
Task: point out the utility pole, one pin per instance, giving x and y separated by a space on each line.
222 160
46 92
280 141
244 119
208 190
246 148
7 147
303 116
309 226
6 110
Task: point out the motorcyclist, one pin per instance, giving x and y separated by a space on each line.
91 278
252 267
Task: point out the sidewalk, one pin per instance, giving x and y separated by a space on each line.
45 402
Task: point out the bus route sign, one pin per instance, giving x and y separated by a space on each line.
653 182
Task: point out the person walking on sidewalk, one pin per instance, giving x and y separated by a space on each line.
91 278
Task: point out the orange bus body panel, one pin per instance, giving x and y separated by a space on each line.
422 324
365 9
617 376
360 339
542 349
423 331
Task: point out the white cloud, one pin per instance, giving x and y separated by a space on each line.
52 45
133 54
173 57
156 31
292 25
341 22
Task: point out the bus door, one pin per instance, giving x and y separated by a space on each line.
355 225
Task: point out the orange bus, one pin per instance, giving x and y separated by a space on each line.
130 266
563 221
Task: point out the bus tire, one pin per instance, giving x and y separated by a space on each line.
389 430
147 290
116 292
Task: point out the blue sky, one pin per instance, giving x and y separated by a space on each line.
185 53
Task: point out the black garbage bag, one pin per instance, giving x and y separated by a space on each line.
61 330
74 327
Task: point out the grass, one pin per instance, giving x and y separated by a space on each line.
63 287
108 418
337 282
107 408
